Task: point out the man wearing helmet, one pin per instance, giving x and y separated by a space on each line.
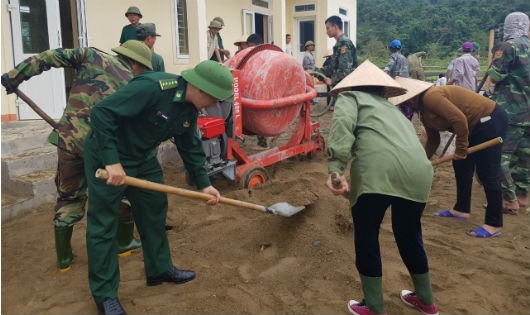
128 32
127 127
398 65
97 76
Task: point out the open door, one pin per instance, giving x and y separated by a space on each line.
35 26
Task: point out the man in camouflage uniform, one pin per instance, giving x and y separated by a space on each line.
98 75
344 58
510 72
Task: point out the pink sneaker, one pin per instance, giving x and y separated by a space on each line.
410 298
359 308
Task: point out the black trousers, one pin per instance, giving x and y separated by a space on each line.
487 163
368 213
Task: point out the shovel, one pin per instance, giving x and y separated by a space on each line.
281 208
470 150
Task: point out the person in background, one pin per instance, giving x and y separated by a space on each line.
344 58
308 63
254 40
415 66
213 43
474 119
465 69
510 72
126 129
288 45
398 65
146 32
97 75
222 51
389 168
241 43
441 80
128 32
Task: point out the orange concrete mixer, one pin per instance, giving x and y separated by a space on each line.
267 73
271 91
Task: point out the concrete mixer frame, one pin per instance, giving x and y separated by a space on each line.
305 139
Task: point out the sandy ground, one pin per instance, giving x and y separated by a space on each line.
248 262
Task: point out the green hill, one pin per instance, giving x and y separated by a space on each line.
436 26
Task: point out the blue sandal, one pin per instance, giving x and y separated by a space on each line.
447 214
480 232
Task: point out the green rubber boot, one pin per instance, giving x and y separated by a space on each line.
373 293
126 240
65 256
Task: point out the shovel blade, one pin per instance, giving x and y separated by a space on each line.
284 209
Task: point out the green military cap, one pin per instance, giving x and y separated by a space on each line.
146 29
220 19
212 78
133 10
137 51
216 24
309 43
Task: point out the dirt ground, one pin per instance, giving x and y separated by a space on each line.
248 262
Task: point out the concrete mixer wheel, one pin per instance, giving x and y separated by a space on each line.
254 177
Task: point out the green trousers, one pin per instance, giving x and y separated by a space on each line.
149 209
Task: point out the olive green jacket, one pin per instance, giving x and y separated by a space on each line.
130 124
385 152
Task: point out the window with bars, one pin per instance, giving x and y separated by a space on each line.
304 8
183 48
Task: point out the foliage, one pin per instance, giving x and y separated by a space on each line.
438 27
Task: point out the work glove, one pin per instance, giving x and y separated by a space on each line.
10 84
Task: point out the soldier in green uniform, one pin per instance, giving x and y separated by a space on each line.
126 129
510 72
97 76
344 58
128 32
147 33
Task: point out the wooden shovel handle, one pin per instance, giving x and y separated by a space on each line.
470 150
145 184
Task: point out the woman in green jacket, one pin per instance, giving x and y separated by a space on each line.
388 168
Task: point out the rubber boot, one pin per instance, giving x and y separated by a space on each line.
126 240
63 236
373 293
422 286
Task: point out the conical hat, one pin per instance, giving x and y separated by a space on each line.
368 74
414 87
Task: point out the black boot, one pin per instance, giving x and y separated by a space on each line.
63 236
126 240
111 307
172 275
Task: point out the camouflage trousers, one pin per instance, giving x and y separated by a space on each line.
515 162
72 190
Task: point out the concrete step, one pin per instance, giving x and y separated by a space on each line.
29 161
36 184
20 136
13 205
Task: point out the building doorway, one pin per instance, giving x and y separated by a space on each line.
306 31
36 26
